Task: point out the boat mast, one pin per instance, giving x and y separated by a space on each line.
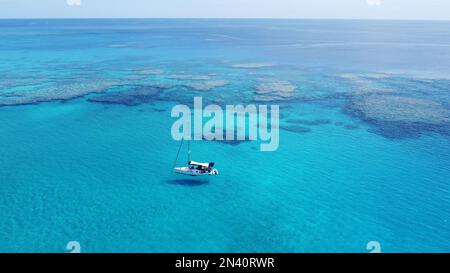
189 151
178 154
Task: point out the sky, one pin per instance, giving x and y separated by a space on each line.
336 9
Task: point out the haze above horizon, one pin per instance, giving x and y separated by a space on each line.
227 9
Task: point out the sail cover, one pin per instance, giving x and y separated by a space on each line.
204 165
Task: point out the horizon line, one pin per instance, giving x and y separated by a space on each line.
220 18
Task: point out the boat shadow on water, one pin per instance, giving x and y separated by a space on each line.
188 182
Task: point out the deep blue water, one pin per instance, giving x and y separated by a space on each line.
86 151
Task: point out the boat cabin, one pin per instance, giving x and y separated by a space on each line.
202 167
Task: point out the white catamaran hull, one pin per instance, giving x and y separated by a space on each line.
194 172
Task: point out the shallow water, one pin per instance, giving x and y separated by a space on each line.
87 151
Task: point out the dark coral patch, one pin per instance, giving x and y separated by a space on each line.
296 129
351 126
233 142
309 122
137 96
402 117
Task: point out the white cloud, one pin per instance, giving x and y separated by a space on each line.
374 2
73 2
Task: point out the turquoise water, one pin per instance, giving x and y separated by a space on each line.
86 150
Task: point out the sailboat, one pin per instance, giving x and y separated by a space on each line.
194 168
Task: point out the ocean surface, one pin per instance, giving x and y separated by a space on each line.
86 151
